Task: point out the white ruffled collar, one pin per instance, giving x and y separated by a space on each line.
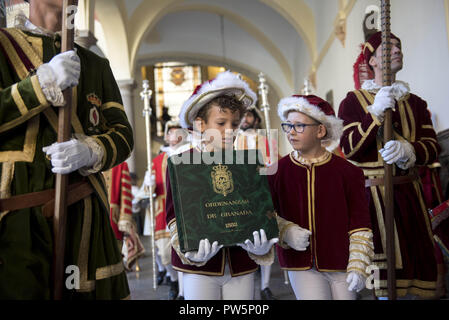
400 88
180 149
23 23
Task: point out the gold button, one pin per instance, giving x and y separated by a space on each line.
58 44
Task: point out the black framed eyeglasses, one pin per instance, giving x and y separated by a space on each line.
299 127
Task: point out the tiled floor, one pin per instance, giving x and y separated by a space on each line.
141 283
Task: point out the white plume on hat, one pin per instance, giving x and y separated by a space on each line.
226 83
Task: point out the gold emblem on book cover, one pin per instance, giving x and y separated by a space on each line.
222 180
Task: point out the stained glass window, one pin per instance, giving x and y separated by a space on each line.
174 83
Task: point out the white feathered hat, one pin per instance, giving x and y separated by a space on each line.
226 83
318 109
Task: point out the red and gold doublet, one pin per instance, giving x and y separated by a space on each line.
120 198
159 169
326 198
362 139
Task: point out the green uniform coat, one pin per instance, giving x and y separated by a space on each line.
27 124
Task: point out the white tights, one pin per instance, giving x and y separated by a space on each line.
315 285
161 267
265 273
226 287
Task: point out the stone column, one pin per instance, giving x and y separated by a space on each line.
127 88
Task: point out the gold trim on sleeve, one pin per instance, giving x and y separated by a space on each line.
359 144
18 100
114 149
123 138
425 151
38 90
112 104
360 229
29 145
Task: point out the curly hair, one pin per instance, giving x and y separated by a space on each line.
223 102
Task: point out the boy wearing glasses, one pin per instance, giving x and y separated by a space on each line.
325 239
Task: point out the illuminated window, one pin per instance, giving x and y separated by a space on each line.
174 84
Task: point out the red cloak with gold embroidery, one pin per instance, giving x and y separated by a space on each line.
416 270
159 168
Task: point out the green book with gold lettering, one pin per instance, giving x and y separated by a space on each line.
224 201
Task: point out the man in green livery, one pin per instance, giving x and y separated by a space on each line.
32 76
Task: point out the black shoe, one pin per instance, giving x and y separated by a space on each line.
167 281
180 298
173 293
160 277
266 294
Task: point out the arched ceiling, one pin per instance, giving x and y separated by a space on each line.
125 31
244 24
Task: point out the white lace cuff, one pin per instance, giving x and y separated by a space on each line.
49 87
361 251
174 240
97 154
126 226
409 161
283 226
264 260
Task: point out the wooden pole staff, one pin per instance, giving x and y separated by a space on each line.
64 130
388 135
146 96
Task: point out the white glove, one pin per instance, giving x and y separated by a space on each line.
61 72
356 281
297 238
399 152
149 180
70 156
384 100
205 251
261 245
66 67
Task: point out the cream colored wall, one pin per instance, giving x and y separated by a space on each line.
422 27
